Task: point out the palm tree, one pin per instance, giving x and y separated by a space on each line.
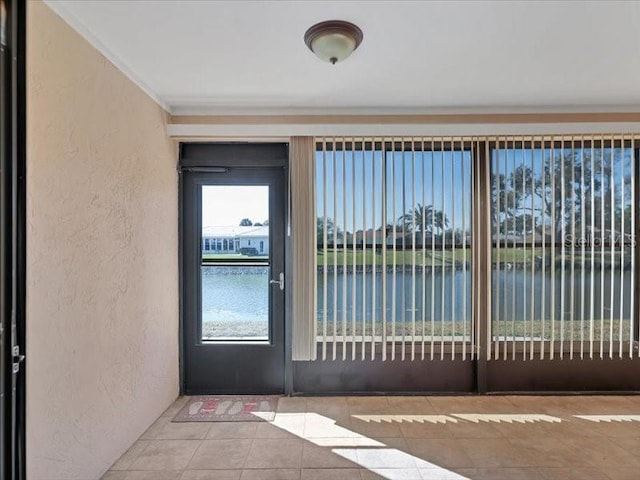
427 217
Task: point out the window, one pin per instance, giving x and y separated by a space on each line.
553 271
563 237
393 247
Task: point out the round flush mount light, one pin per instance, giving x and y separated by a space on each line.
333 40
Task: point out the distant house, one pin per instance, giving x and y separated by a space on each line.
235 240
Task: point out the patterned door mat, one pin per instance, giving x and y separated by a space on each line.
229 408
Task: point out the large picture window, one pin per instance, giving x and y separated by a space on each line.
524 247
564 223
393 248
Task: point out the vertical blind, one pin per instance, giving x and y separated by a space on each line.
301 229
394 247
521 247
564 246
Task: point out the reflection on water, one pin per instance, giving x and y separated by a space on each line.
235 300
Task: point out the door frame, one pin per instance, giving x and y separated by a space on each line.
13 244
211 158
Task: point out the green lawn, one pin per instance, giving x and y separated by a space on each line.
405 257
233 257
516 256
448 257
512 329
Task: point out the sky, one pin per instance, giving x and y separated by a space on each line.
224 205
439 178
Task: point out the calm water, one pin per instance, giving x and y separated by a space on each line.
235 300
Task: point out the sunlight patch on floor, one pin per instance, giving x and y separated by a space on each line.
609 418
435 419
506 418
386 462
394 464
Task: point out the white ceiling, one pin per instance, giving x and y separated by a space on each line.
249 56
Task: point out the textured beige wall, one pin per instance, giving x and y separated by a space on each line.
102 243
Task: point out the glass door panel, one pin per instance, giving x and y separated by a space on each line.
236 268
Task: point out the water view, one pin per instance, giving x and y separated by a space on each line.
235 301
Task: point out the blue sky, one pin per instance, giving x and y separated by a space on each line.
439 178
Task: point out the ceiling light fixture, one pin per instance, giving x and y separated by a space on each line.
333 40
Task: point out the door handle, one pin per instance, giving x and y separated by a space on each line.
279 282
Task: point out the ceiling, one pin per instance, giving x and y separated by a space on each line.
249 56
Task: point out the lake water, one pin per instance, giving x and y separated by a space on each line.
235 300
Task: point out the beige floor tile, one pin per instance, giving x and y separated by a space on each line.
175 407
385 457
472 404
570 427
518 473
464 429
568 405
331 474
319 437
211 475
275 453
290 423
630 444
626 473
634 399
601 453
611 429
375 429
221 454
320 426
184 431
156 427
391 473
166 455
369 405
603 405
292 405
227 430
450 474
111 475
125 461
335 408
425 429
414 405
290 427
574 473
441 452
157 475
496 453
314 456
271 474
529 429
550 451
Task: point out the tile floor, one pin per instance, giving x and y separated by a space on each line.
404 438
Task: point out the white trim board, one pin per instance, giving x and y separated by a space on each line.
202 107
241 131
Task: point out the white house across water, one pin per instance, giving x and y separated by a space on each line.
235 239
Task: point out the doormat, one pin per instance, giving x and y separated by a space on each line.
229 408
